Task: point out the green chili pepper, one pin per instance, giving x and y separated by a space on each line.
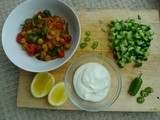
144 93
47 13
135 85
87 39
140 99
149 90
83 45
88 33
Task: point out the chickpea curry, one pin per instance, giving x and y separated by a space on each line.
45 36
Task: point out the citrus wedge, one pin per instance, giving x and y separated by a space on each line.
41 84
57 96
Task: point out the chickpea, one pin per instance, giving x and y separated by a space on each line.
43 54
62 40
29 31
23 40
45 48
39 16
47 58
49 44
24 46
49 37
58 38
23 33
67 46
52 33
40 41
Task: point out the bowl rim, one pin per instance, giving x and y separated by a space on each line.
42 69
101 108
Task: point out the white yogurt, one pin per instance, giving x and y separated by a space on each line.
92 81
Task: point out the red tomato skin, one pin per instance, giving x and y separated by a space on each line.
67 38
19 38
60 54
31 49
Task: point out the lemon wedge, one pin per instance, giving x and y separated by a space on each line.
57 96
41 84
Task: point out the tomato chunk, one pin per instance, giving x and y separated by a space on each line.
60 54
67 38
31 49
19 38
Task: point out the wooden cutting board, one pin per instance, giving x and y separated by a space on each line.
94 21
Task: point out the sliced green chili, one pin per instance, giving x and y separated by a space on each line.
94 45
135 85
88 33
149 89
144 93
140 99
87 39
83 45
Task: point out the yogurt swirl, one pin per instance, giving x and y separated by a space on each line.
92 81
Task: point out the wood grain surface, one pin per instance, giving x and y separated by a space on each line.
94 21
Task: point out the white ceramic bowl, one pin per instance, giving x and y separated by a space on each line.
115 87
12 27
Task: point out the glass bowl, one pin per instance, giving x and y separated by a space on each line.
115 86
